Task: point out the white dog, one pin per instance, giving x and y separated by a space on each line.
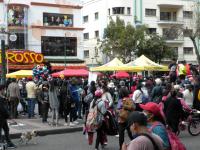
27 137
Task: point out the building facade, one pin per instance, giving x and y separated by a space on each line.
157 15
53 28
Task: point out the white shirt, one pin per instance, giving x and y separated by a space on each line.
188 97
137 96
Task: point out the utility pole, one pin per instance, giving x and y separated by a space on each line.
3 62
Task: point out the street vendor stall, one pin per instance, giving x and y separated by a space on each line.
20 74
71 73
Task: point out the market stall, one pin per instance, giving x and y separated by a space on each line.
20 74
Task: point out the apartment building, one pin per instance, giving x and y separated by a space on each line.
157 15
53 28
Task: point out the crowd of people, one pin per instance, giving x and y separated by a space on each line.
144 106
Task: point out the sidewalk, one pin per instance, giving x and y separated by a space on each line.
18 126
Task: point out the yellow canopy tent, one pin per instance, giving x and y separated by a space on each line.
145 64
20 74
110 66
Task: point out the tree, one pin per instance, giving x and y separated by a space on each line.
156 49
122 41
193 31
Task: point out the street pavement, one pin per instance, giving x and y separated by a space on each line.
77 141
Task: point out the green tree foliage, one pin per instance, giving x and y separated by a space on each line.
122 40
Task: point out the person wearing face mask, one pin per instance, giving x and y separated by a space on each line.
144 140
156 123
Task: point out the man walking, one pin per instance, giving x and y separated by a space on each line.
31 97
13 92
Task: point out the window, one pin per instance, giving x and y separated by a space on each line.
188 50
109 11
20 43
96 34
188 14
52 19
152 30
118 10
86 54
17 15
86 36
165 16
96 16
85 19
187 32
128 10
56 46
150 12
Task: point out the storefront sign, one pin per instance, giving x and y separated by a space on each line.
23 57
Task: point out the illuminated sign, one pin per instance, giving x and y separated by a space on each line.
23 57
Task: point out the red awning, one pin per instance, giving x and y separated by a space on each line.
72 73
121 74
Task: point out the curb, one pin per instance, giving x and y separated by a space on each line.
49 132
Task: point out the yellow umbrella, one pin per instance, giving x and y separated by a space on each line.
20 74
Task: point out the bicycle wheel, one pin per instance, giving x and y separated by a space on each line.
194 127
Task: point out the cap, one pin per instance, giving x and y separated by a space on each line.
137 117
98 93
152 108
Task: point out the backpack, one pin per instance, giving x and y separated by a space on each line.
198 96
174 141
88 98
111 124
92 121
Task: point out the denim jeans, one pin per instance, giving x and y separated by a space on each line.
31 107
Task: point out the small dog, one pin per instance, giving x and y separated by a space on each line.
27 137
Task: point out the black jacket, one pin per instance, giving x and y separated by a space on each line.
196 102
4 114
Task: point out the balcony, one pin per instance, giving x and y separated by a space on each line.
173 40
170 21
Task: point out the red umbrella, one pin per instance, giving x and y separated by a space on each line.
121 74
72 73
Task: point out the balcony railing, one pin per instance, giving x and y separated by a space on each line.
174 39
163 20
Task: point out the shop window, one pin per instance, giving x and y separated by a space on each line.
96 16
59 46
128 10
86 36
17 16
118 10
52 19
188 14
85 19
96 34
188 50
19 43
86 54
150 12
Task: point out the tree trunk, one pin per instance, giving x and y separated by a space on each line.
196 49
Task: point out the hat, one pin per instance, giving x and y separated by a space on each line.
158 81
152 108
98 93
137 117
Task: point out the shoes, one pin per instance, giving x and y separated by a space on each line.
66 124
71 124
11 146
117 135
75 122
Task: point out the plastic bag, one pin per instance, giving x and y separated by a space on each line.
19 107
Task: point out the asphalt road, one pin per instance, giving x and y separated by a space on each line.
77 141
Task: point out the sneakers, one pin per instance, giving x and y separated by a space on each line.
11 146
71 124
75 122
